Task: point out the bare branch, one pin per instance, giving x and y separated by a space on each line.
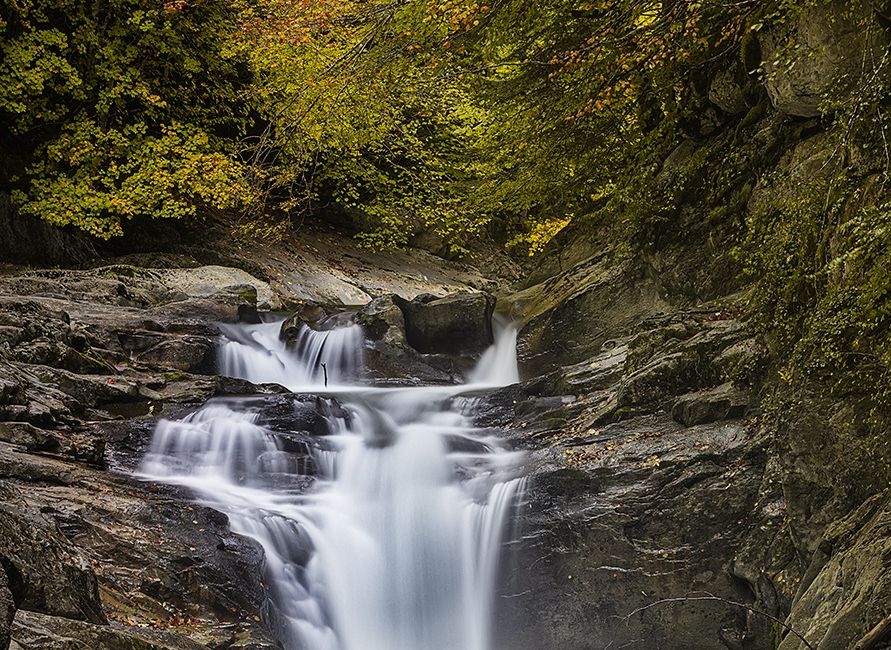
712 598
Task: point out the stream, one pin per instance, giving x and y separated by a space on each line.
392 537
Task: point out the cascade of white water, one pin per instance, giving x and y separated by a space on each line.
398 545
498 365
256 353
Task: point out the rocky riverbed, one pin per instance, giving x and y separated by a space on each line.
661 512
89 360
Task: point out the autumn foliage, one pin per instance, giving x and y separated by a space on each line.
427 115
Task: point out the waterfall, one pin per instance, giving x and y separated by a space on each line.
256 353
397 545
498 365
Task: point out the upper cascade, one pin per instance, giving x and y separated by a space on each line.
257 353
334 358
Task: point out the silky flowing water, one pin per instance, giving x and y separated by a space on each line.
397 543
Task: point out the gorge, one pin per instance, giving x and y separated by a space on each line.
371 325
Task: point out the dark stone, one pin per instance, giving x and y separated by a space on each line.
308 313
50 575
642 511
82 446
460 323
382 321
711 405
7 610
28 240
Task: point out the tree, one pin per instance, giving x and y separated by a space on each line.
123 109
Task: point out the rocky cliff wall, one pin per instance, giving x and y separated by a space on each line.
696 484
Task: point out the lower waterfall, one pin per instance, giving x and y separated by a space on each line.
397 542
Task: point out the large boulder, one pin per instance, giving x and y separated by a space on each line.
214 281
459 323
383 321
726 92
388 356
825 50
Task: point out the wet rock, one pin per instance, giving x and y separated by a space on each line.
308 313
286 412
7 610
568 317
34 631
225 308
629 511
77 445
45 573
600 372
622 525
9 389
388 356
163 560
847 589
383 322
408 368
676 358
711 405
456 324
119 286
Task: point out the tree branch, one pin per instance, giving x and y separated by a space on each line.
711 597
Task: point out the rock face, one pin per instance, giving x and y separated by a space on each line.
664 509
33 631
632 510
847 587
7 610
44 571
822 51
80 351
569 316
456 324
28 240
